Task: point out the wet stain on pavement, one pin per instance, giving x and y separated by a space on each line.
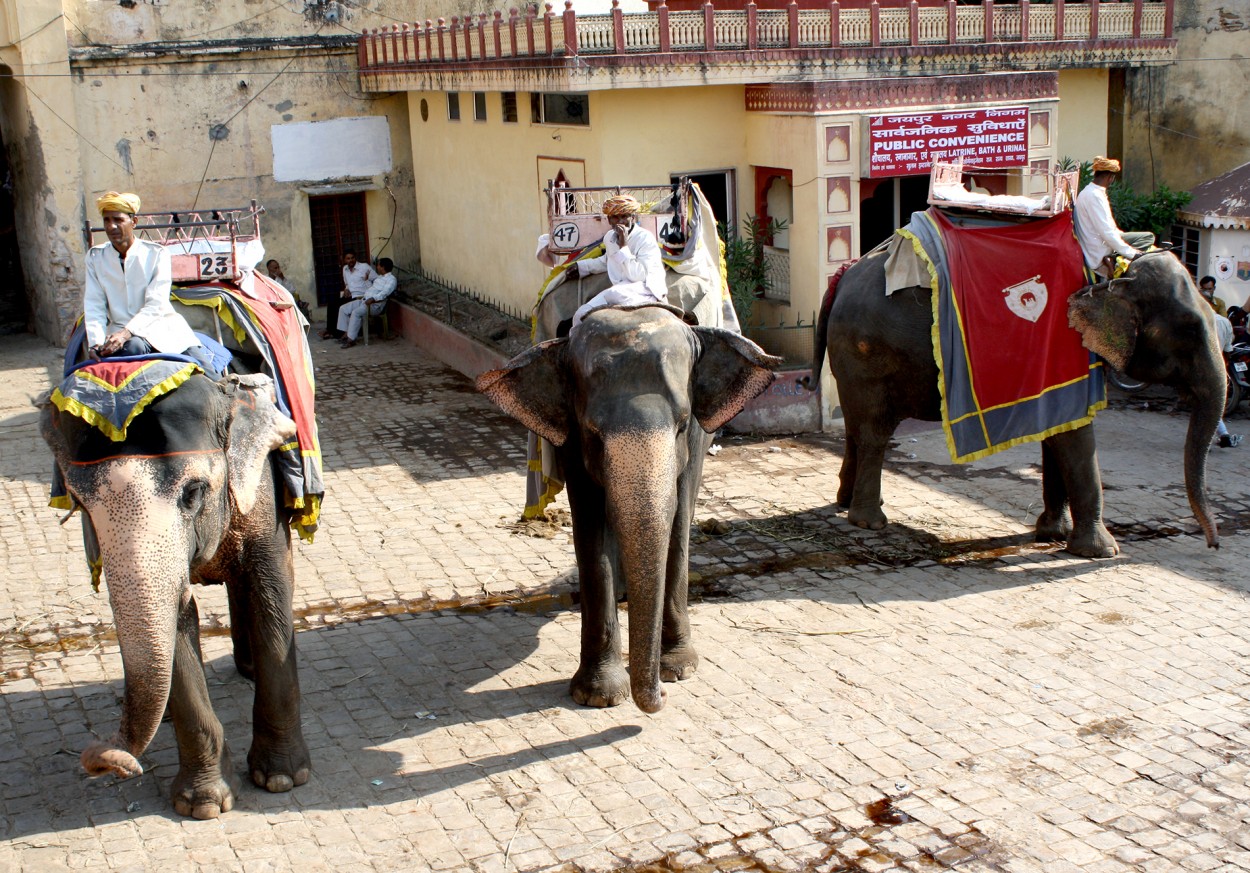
840 850
1108 728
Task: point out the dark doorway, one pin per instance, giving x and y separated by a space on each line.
338 224
14 308
887 204
717 188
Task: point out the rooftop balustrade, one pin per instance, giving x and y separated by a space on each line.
518 38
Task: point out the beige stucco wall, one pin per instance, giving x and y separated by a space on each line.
1190 121
1082 129
479 184
154 134
36 114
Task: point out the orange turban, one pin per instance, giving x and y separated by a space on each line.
1106 165
115 202
620 206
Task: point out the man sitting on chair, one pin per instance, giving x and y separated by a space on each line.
353 313
126 301
632 261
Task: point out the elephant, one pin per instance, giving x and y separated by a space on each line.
192 496
1151 323
631 400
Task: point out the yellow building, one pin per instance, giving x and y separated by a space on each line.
824 117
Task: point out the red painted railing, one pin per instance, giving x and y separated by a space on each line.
857 23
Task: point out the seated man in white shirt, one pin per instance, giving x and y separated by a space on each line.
126 300
1095 225
352 314
632 261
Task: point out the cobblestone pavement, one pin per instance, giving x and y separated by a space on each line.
943 694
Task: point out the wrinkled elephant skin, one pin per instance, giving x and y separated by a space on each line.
881 354
631 401
191 496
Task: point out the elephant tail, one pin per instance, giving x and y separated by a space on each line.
821 343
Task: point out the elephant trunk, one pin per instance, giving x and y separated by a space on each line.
1208 394
145 568
641 484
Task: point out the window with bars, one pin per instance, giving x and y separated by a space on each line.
508 99
453 107
1185 246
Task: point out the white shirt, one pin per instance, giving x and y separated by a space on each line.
1095 227
1224 331
637 261
359 279
382 287
136 298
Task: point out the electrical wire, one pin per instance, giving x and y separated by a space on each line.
76 133
38 30
213 148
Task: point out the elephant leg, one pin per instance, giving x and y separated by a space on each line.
870 434
1054 525
278 759
1078 462
601 679
678 658
846 475
205 785
240 631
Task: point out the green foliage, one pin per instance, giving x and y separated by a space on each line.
746 270
1154 212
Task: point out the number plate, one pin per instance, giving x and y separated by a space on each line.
216 266
1239 366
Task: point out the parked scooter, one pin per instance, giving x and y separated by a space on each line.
1238 376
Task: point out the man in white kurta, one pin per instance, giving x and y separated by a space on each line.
126 300
357 279
352 313
1096 229
632 261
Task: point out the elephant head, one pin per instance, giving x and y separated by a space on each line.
192 468
1154 325
631 397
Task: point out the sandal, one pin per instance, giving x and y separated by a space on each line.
327 334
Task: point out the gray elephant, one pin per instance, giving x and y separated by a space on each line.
631 400
1151 324
191 496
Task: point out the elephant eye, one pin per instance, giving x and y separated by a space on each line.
193 495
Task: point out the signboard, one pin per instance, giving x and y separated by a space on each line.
907 145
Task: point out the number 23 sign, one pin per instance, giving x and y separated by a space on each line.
216 266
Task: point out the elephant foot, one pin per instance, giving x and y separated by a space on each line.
1097 543
608 685
206 794
678 663
869 519
100 759
1053 527
279 769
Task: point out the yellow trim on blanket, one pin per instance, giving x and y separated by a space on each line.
980 413
222 312
106 427
553 489
62 502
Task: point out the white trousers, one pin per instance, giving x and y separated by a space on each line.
627 294
352 314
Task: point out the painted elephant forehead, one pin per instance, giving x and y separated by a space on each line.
135 484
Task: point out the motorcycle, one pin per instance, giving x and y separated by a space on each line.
1237 364
1238 376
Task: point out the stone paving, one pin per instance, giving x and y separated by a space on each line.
943 694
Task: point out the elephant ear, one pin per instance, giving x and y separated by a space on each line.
255 428
1107 320
730 372
531 389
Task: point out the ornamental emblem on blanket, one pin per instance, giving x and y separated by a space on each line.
1026 299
